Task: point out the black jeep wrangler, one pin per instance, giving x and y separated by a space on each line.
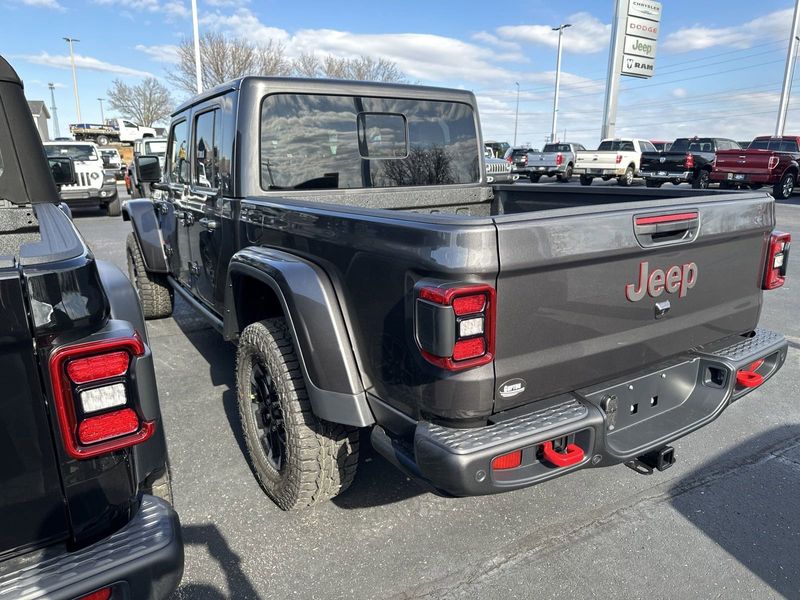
84 454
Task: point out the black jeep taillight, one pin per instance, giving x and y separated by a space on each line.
455 325
777 260
92 385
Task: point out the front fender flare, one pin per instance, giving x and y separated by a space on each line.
318 328
142 215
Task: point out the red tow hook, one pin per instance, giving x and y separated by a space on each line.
748 377
572 456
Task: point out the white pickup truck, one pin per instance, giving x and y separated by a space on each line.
114 130
618 158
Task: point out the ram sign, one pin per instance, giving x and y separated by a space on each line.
641 33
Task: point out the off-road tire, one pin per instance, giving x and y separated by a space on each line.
155 294
114 208
320 458
784 188
586 180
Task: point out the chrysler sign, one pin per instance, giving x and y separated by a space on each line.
645 9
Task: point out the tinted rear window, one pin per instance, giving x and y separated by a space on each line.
73 151
693 145
343 142
556 148
774 145
618 145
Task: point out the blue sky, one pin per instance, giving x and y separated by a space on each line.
718 70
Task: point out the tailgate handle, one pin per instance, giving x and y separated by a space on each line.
662 229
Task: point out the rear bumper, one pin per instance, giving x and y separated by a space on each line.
143 560
507 177
742 177
89 196
611 423
667 176
596 172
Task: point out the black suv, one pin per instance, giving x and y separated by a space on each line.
84 453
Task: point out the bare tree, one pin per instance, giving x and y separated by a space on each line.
146 103
224 58
307 64
363 68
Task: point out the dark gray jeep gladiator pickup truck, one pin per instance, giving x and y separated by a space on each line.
84 479
490 338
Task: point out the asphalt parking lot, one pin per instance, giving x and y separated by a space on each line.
723 522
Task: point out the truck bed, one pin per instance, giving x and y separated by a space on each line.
560 260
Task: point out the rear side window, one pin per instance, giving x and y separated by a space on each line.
178 166
206 150
647 146
313 141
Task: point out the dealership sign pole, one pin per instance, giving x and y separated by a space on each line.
788 73
634 32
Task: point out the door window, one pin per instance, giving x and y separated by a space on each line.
178 167
206 151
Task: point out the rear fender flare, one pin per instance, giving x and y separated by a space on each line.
311 308
142 214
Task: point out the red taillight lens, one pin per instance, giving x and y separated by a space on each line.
777 260
469 348
93 368
510 159
689 161
457 333
773 162
524 159
619 158
467 305
103 594
108 426
90 390
559 159
507 461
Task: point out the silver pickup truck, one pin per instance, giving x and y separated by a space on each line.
555 160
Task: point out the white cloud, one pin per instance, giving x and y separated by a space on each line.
52 4
38 82
171 9
586 36
82 62
490 38
166 53
773 26
245 24
226 3
679 92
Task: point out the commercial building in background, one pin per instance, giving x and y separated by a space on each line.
40 116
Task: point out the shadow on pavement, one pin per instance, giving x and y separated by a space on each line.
229 562
766 541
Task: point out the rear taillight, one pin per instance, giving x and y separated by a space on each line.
689 164
619 158
510 159
455 325
92 391
103 594
559 159
524 159
777 260
773 162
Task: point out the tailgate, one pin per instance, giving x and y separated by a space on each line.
663 162
571 310
545 159
596 160
743 161
31 501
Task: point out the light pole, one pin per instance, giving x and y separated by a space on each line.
788 73
516 114
102 114
196 30
70 41
54 110
560 29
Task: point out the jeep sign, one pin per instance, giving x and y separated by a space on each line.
636 46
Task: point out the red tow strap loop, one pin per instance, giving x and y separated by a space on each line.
572 456
748 377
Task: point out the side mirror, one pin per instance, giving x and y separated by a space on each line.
63 170
148 169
